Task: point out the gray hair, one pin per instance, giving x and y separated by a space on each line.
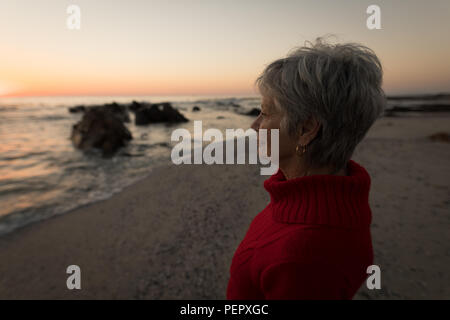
338 84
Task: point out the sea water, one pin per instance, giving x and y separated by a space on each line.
42 174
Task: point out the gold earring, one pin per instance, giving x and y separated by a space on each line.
303 149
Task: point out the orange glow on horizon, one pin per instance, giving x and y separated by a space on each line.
91 85
208 48
117 89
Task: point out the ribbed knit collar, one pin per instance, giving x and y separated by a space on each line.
322 199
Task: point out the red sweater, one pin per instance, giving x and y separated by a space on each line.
312 241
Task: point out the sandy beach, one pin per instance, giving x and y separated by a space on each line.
173 234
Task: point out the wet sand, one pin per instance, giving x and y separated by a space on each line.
173 234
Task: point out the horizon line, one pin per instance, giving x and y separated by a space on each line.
396 94
126 95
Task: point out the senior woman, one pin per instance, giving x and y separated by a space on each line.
313 239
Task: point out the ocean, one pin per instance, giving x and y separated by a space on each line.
43 175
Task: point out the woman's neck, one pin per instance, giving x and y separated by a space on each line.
295 169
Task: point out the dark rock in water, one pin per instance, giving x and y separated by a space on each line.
137 105
77 109
438 96
254 112
195 108
421 108
440 137
118 110
102 129
160 112
227 104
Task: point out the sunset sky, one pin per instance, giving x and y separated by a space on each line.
180 47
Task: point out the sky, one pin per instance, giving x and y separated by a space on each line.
207 47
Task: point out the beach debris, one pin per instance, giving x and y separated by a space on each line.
440 137
158 112
100 129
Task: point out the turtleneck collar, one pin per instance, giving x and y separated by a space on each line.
322 199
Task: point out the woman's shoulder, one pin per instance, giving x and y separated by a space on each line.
296 242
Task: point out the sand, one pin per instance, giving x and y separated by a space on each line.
173 234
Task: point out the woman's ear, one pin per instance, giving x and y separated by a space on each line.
310 129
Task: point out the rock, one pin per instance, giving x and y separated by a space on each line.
77 109
437 96
160 112
227 104
440 137
432 107
118 110
100 129
196 108
254 112
220 117
137 105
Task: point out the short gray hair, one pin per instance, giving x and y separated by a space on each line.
338 84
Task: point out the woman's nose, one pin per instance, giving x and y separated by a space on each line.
255 124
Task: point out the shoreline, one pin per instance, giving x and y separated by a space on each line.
80 206
156 233
172 234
